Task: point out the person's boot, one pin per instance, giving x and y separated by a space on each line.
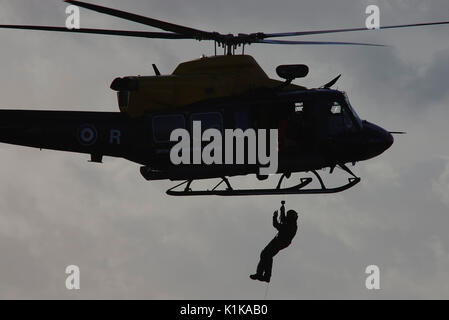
256 276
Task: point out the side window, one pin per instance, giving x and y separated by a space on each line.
163 125
208 120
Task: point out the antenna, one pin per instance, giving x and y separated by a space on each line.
156 70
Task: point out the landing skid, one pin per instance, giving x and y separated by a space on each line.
296 189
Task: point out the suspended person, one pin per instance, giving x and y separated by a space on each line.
287 227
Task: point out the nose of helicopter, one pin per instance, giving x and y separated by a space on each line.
389 140
377 139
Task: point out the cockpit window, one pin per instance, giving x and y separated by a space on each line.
339 119
356 116
336 108
347 120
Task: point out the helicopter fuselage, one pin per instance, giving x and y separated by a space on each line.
317 129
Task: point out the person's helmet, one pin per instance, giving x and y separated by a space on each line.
292 214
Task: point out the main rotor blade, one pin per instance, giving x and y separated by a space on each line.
320 43
304 33
167 26
126 33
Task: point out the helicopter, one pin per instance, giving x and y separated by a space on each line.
317 127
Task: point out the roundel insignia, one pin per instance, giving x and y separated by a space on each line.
87 134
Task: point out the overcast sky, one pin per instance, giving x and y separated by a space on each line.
130 240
